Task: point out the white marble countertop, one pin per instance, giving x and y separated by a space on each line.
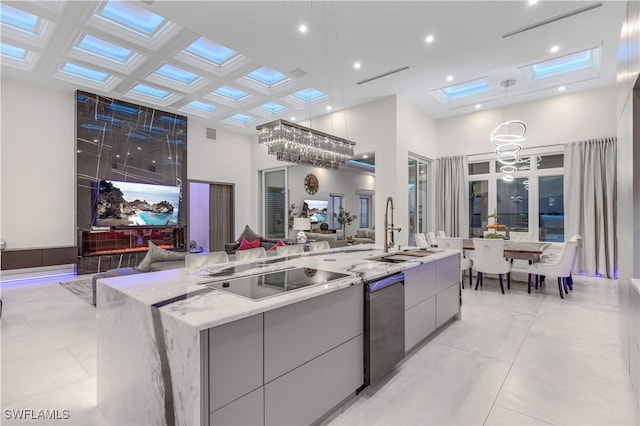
636 283
203 307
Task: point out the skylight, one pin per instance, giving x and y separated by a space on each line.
15 53
267 76
133 18
272 107
150 92
243 118
85 73
231 93
563 65
19 19
104 49
468 88
176 74
309 95
210 51
201 106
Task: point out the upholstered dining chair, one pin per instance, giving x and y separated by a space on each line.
520 236
290 249
431 239
421 240
201 260
457 244
442 234
489 259
560 268
319 245
250 254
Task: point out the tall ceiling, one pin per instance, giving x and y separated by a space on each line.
470 44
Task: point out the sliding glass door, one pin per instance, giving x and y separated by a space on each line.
417 178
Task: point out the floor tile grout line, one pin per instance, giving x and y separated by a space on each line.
526 334
524 414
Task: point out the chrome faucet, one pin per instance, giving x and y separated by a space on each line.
388 228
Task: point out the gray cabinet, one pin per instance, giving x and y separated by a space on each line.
447 272
447 304
297 333
420 321
248 410
419 284
235 360
305 394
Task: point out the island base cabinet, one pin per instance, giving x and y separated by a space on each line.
447 304
248 410
420 321
310 391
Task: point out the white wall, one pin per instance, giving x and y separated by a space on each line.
224 160
558 120
37 198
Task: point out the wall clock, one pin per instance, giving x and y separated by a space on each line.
311 184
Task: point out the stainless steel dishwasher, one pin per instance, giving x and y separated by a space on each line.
384 326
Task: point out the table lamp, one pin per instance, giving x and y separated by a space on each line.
301 224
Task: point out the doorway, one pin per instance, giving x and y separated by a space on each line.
211 214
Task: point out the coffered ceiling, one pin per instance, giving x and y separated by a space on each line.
238 64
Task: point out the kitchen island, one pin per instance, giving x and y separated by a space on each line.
175 347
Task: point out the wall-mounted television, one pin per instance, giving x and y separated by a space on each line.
317 210
120 204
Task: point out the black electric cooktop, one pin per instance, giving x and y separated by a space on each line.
275 283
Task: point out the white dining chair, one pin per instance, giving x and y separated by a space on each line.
441 234
561 268
489 259
431 239
520 236
289 249
453 243
319 245
250 254
201 260
421 240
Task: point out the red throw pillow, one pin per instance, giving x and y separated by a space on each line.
244 244
280 243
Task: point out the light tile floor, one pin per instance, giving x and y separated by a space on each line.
512 359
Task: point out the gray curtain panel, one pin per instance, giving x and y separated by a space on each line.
452 198
590 192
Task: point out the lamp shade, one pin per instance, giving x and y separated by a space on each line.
301 223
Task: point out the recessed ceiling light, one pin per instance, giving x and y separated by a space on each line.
293 119
139 148
449 78
95 140
478 106
554 49
365 156
303 28
328 107
532 2
561 88
153 161
117 155
429 39
357 65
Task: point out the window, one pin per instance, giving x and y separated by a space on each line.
532 202
335 202
417 179
365 209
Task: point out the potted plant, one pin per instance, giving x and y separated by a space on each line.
344 218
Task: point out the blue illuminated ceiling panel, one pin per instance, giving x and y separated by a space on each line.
272 107
309 95
580 61
85 73
150 92
20 20
176 75
133 18
466 89
201 106
104 49
267 77
14 52
242 118
211 52
231 93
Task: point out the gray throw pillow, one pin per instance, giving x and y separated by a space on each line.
361 233
156 254
248 235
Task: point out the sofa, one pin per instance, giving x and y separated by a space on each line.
365 236
332 238
249 235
